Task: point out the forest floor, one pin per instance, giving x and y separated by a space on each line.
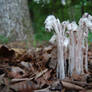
34 70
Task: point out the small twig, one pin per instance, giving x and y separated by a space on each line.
82 84
43 90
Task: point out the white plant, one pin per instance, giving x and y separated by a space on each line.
76 42
79 52
85 24
51 23
78 35
72 28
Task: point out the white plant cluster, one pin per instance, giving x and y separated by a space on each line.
74 38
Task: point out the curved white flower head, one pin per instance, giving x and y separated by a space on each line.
85 21
49 23
72 26
85 15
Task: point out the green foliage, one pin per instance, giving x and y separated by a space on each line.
73 10
3 39
90 37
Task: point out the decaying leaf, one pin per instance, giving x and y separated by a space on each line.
16 72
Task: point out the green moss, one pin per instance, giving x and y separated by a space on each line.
3 39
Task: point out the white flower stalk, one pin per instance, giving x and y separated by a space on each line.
51 23
72 27
89 25
79 52
85 23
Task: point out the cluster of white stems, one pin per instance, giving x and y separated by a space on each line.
70 37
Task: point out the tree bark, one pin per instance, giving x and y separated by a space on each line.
82 8
14 19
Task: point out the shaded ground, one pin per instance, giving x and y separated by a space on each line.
34 70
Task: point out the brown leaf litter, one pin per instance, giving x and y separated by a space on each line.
34 70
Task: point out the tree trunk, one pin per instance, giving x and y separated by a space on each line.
82 8
14 19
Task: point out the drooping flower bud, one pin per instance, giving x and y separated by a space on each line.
49 23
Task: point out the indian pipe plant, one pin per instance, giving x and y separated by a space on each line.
72 37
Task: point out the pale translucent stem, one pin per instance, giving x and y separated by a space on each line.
79 52
60 55
86 56
78 59
82 52
75 53
71 54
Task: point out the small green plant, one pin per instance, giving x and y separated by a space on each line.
3 39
